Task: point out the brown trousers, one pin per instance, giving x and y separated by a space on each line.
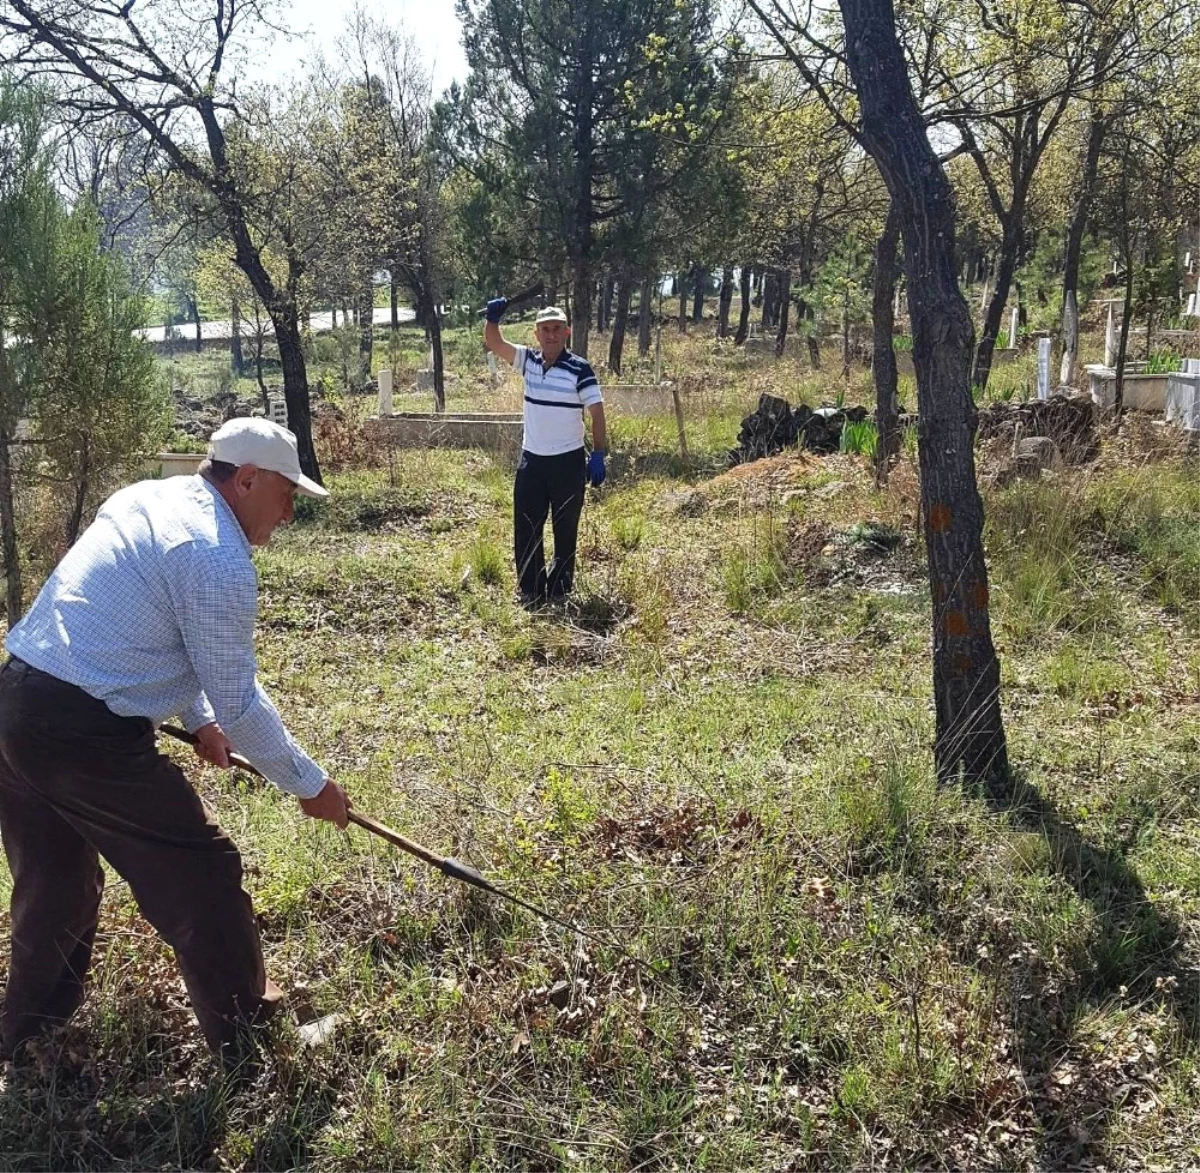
78 782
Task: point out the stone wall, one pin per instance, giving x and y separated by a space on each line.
498 431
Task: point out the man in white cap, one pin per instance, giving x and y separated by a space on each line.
554 467
150 615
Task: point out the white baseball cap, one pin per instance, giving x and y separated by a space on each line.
263 443
551 313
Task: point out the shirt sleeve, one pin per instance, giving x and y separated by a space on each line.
518 362
197 714
216 603
589 386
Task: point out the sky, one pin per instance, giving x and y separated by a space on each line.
432 23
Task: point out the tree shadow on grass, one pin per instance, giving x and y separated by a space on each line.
1137 954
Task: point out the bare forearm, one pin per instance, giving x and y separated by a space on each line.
495 342
599 431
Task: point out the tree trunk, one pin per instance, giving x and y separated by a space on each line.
258 369
785 285
8 532
75 520
581 320
743 326
1097 128
883 355
194 305
725 301
236 358
700 287
1123 341
295 383
606 303
617 341
966 671
394 297
435 344
645 316
768 300
366 330
1009 247
683 292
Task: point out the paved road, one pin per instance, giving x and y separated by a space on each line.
321 323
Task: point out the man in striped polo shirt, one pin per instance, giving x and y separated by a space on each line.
554 467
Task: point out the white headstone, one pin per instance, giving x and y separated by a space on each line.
1110 339
279 411
1012 328
1043 369
493 369
385 391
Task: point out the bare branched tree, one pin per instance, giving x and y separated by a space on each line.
168 67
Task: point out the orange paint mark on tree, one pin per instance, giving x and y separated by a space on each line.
962 663
955 623
979 597
939 518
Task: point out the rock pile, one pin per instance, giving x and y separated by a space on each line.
1068 418
775 425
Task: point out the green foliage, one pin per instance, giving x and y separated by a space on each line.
487 562
1162 362
841 291
100 410
859 438
754 570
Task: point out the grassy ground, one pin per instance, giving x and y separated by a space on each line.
717 758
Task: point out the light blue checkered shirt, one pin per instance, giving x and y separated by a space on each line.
152 611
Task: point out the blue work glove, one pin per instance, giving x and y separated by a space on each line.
495 309
595 469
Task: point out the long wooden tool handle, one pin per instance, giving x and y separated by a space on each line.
395 838
534 290
449 867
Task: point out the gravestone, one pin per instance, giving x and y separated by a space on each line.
278 411
1110 339
385 391
1183 397
1043 368
1013 318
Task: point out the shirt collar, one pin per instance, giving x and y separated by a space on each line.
226 515
558 362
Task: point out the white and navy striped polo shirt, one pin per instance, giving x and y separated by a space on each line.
555 397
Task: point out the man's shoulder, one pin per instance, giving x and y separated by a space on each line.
182 515
575 363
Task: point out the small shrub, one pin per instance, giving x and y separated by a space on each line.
1162 362
754 572
628 532
875 535
487 562
860 439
